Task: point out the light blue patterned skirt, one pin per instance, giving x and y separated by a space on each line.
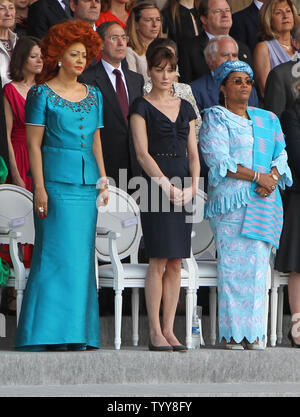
242 274
60 306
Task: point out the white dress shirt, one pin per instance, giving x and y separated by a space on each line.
109 70
258 4
62 4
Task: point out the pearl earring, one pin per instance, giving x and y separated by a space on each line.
59 64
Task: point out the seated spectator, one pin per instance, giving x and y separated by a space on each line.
114 10
181 19
277 18
143 25
245 24
21 17
281 80
7 37
215 16
218 50
86 10
43 14
26 62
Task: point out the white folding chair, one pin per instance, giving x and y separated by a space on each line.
278 281
16 226
204 252
118 237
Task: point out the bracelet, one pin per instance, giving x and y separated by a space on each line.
256 177
102 182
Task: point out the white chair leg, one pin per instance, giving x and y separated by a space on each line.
213 314
118 318
135 315
274 304
279 314
189 301
266 318
266 308
19 303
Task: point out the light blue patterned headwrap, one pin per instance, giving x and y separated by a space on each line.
231 66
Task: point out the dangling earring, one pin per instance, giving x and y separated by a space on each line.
59 64
225 101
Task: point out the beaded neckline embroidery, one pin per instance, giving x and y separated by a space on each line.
84 105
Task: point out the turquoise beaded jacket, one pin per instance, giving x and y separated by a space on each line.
67 147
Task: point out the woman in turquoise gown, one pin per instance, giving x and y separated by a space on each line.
60 306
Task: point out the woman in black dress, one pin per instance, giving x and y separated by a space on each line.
163 130
287 258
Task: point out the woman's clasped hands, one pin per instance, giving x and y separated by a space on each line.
267 183
177 196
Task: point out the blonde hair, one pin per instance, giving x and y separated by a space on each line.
265 18
135 41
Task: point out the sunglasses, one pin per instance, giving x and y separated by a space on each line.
240 81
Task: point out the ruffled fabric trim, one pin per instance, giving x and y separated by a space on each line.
219 171
239 337
286 178
227 203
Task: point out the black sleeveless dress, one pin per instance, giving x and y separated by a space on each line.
166 228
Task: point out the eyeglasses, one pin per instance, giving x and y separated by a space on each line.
115 38
219 11
240 81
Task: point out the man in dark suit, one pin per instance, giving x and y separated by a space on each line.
279 91
245 24
218 50
86 10
46 13
117 143
216 19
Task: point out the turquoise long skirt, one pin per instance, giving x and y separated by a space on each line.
60 306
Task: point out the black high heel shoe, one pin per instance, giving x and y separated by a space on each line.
290 337
160 348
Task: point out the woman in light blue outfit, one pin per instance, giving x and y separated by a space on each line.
244 150
60 307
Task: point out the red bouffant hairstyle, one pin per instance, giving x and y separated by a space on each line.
59 38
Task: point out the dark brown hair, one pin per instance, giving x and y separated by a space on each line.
155 56
19 56
163 42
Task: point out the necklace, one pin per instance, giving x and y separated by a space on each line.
287 47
